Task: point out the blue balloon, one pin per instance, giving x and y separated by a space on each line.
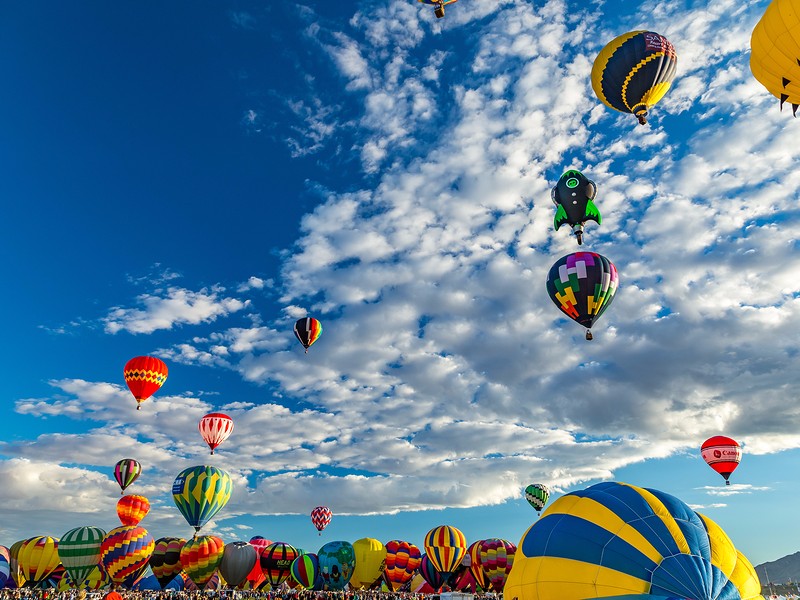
336 563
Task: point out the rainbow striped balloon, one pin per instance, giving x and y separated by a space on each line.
305 570
200 558
445 547
125 552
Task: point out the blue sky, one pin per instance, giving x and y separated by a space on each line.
187 181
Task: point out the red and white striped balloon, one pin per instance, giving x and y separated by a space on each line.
215 429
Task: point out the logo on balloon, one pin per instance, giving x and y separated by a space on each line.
717 454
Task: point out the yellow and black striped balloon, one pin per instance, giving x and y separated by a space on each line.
775 51
634 71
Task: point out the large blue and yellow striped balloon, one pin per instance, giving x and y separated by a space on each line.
618 540
200 492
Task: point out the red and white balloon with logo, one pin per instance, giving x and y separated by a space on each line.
722 454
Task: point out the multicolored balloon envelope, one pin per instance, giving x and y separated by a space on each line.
574 195
5 567
774 52
276 562
13 563
445 547
145 375
215 428
200 558
96 580
336 563
321 517
238 560
307 331
430 574
305 570
370 562
614 539
583 285
537 495
634 71
200 493
38 558
497 558
166 559
79 551
402 560
473 560
125 552
722 454
131 509
126 472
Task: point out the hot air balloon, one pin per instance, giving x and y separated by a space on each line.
307 331
144 375
96 580
722 454
497 558
37 559
474 559
614 539
79 552
402 560
775 52
537 494
276 562
125 551
200 557
370 562
200 492
432 576
215 429
255 579
131 509
634 71
166 559
583 285
305 570
445 547
574 196
5 567
126 472
438 6
13 563
321 516
238 559
336 564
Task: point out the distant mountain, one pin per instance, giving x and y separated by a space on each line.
782 570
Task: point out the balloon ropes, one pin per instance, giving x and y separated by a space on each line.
307 331
126 472
215 428
200 493
582 285
722 454
145 375
634 71
321 517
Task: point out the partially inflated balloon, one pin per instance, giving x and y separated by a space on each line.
13 563
215 428
131 509
370 562
431 574
126 472
200 493
79 552
166 559
634 71
445 547
402 560
582 285
473 559
38 558
722 454
125 552
5 567
238 560
305 570
307 331
145 375
200 557
321 517
96 580
614 539
276 562
336 564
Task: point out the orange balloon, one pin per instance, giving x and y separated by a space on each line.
132 508
145 375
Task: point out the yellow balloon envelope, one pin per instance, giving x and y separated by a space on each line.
37 558
775 51
370 562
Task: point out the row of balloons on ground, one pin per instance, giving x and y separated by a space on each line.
89 558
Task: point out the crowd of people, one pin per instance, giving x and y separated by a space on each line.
33 594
